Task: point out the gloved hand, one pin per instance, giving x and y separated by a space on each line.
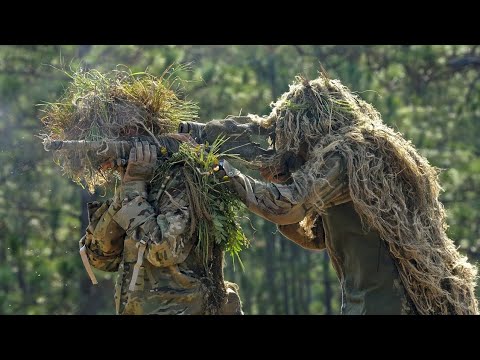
140 169
223 171
281 173
236 181
141 163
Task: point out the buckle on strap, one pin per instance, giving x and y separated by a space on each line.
136 268
86 264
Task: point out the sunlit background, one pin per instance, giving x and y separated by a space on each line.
429 93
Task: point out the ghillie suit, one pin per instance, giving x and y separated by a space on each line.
167 238
112 106
393 188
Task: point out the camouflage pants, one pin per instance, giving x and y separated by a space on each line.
178 302
170 298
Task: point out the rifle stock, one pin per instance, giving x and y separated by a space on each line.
106 150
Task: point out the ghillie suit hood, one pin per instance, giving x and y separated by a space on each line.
393 188
110 106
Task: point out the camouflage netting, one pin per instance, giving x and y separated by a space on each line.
394 189
111 106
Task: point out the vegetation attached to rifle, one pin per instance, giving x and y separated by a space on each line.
214 207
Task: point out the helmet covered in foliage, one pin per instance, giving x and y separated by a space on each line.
112 106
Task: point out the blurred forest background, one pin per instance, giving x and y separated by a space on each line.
429 93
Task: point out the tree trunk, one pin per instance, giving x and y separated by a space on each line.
270 285
272 73
245 295
3 243
301 282
25 287
327 285
284 262
293 250
88 291
308 282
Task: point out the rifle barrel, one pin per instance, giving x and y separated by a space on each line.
115 149
74 144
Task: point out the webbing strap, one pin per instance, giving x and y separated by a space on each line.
138 264
86 263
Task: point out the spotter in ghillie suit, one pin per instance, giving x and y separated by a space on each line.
342 180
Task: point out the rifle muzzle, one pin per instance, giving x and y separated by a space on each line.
195 129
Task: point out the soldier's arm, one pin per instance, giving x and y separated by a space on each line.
286 204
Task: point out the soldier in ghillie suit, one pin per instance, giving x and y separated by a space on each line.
340 179
153 232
